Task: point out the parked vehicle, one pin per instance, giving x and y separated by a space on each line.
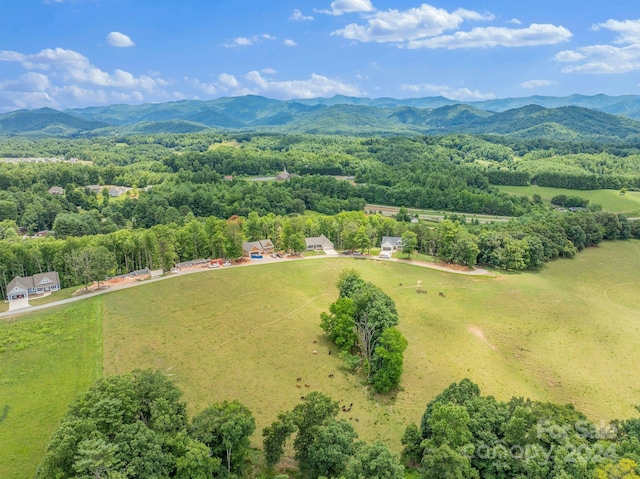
256 256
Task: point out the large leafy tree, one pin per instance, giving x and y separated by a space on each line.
225 427
374 461
132 426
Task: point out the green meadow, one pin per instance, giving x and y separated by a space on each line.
567 333
46 360
611 200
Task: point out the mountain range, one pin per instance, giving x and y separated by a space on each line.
574 117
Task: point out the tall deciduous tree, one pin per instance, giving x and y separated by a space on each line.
90 264
225 427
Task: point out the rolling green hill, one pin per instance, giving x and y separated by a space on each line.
46 122
338 115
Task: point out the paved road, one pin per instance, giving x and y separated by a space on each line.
257 262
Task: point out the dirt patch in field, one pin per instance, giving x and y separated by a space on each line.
477 332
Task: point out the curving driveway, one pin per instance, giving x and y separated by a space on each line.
266 260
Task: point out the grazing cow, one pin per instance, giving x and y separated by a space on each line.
301 398
314 352
315 341
298 385
307 385
344 408
441 294
331 375
357 420
329 352
299 379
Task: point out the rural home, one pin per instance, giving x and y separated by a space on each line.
318 243
56 190
94 188
264 246
36 284
391 243
118 190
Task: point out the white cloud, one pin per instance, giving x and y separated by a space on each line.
514 21
315 86
247 41
299 17
239 42
117 39
601 59
446 91
228 81
416 23
607 58
537 83
64 78
269 71
255 83
290 43
628 30
485 37
339 7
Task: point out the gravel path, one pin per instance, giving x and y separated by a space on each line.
265 260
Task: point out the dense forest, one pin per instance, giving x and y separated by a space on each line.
194 195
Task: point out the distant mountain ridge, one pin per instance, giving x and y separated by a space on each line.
574 117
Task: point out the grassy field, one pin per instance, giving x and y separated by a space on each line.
45 361
57 296
611 200
566 334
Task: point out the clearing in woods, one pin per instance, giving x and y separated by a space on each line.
568 333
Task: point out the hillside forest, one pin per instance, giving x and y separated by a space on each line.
202 194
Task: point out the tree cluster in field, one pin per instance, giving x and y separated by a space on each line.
362 324
326 447
570 201
463 434
136 426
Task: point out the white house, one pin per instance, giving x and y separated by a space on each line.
390 243
36 284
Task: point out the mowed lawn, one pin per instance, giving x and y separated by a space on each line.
46 360
611 200
568 333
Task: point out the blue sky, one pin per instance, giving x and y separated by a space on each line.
76 53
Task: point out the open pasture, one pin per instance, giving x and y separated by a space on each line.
46 360
568 333
611 200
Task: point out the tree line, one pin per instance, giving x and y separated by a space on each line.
136 426
522 243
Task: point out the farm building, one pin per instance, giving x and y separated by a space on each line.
56 190
318 243
264 246
36 284
391 243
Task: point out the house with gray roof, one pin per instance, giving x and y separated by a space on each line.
318 243
56 190
391 243
37 284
